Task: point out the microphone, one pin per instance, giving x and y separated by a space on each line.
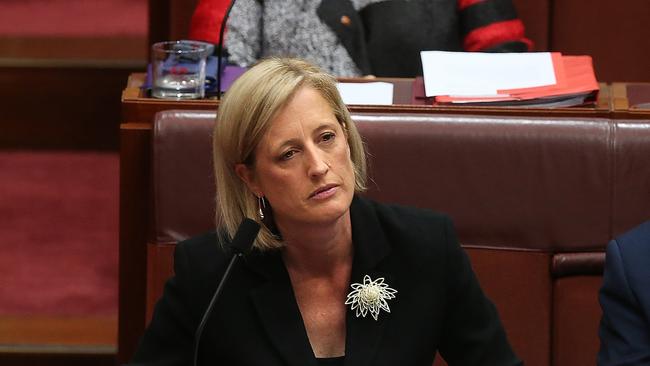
220 49
240 245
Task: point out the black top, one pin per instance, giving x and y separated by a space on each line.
439 305
332 361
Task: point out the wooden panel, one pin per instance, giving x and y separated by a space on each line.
169 19
65 331
181 14
576 316
61 106
519 284
117 48
535 15
160 266
28 358
135 166
27 340
615 34
158 20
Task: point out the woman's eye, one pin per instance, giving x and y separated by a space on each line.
328 136
288 155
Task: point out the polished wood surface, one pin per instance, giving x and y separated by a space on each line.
27 340
140 108
58 332
630 100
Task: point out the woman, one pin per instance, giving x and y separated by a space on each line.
333 278
360 37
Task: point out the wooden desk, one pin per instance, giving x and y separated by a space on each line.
138 108
630 100
135 169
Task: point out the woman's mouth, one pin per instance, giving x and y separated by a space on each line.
324 192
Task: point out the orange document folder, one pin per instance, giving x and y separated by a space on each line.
576 84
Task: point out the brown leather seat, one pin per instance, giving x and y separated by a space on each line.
534 200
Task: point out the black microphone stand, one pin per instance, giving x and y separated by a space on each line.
213 301
240 244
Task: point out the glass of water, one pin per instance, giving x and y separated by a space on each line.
178 69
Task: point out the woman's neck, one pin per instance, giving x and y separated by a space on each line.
319 250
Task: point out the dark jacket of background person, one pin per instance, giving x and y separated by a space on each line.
625 300
384 37
439 304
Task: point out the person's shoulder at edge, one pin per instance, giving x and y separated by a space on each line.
624 300
633 250
639 234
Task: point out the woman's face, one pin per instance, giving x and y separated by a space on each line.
302 164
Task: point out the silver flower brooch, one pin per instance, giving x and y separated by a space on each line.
370 297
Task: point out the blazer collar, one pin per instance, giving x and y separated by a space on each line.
371 246
278 310
344 20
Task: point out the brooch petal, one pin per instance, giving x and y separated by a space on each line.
370 297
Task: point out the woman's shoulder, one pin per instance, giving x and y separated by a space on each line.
407 217
202 244
204 253
409 229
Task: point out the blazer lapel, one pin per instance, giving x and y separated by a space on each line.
342 18
278 311
364 335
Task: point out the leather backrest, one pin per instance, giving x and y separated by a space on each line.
541 184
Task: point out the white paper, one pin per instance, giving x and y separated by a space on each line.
377 93
478 73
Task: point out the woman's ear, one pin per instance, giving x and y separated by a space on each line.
247 175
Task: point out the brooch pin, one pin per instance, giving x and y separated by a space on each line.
370 297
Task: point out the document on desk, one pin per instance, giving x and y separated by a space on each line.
484 74
375 93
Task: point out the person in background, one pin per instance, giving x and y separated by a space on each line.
206 20
333 278
625 300
360 37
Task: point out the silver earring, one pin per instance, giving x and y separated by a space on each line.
261 206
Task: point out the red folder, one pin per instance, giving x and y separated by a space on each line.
574 78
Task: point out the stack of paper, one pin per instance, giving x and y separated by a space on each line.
527 79
375 93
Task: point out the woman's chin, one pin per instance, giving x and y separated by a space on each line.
323 213
333 208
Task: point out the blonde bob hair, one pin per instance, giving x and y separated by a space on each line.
244 116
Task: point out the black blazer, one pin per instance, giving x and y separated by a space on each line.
439 304
384 38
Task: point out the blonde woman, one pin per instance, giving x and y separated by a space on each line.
334 278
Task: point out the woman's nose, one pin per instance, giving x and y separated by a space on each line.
316 163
